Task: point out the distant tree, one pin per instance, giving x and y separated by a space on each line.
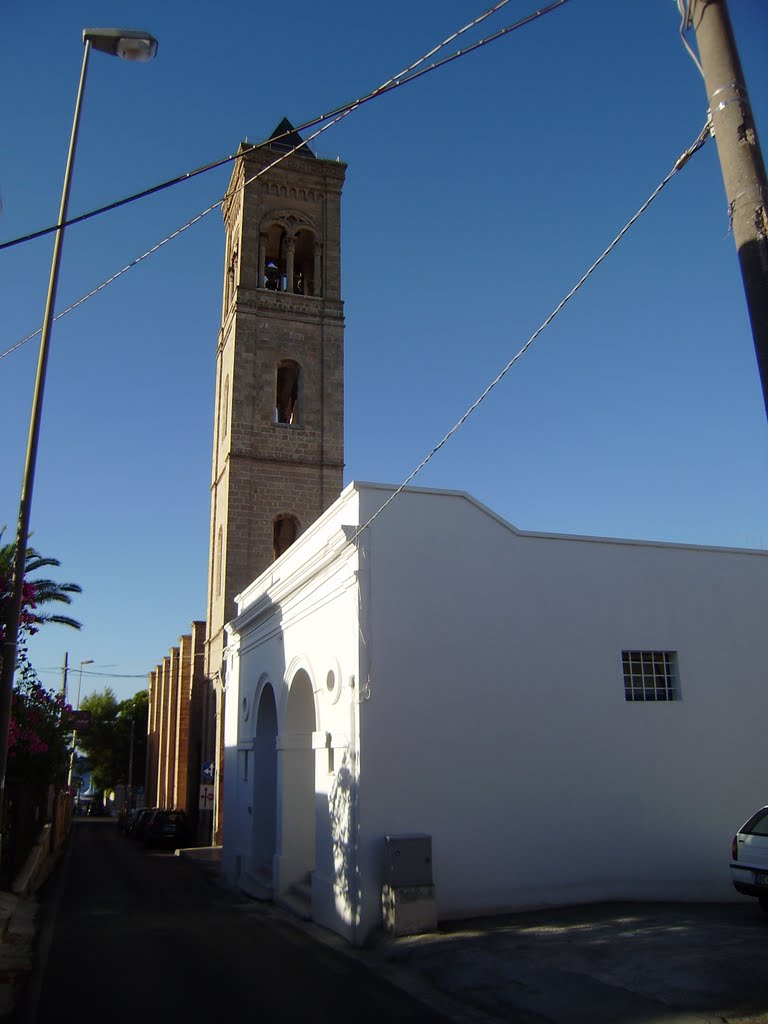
107 744
98 742
134 716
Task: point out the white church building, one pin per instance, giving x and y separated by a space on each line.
568 719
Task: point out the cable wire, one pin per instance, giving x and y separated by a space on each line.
404 77
188 175
116 204
684 8
105 675
681 161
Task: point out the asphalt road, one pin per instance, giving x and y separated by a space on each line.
130 935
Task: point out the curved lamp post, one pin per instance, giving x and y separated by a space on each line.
130 45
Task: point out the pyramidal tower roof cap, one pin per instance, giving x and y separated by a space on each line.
285 138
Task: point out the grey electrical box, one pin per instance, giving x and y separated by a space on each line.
407 860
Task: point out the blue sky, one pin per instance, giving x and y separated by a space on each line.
475 198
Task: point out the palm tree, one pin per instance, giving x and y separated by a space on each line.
38 593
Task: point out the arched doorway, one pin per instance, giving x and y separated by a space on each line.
296 783
264 785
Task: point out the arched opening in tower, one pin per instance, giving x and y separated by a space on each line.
287 392
284 533
304 264
275 265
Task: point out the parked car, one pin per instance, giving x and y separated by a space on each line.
749 858
166 828
139 822
127 818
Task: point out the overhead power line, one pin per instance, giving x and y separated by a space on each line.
681 161
684 8
394 82
104 675
152 190
409 74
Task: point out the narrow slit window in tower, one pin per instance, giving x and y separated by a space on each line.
287 392
230 279
225 409
219 559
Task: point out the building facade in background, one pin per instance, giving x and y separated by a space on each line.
175 725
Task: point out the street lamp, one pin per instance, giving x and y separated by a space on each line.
130 45
121 42
86 661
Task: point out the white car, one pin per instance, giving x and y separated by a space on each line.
749 858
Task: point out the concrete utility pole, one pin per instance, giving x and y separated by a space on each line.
740 160
64 673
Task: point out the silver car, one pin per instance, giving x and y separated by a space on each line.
749 858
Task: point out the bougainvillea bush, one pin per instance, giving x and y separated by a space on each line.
39 734
40 727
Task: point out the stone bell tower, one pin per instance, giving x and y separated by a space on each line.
278 444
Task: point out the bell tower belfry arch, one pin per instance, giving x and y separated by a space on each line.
278 444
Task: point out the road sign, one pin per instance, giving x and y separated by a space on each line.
81 721
206 772
206 798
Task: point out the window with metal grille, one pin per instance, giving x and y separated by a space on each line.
650 675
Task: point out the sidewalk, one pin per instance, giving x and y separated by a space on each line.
610 963
18 923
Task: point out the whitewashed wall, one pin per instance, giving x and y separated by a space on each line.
300 617
497 721
482 702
